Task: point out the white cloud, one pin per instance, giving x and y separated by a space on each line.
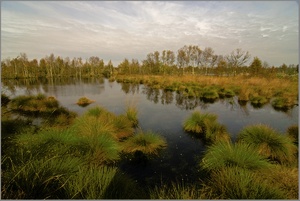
115 30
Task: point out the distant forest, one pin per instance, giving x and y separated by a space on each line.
187 60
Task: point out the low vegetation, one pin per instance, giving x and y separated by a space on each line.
206 127
84 101
269 143
147 143
81 160
257 90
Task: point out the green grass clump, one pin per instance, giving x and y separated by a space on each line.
209 94
205 126
92 126
237 183
101 183
84 101
99 149
282 103
4 100
131 114
175 191
269 143
284 178
258 101
217 132
293 133
224 154
147 143
39 105
39 178
123 127
199 123
226 93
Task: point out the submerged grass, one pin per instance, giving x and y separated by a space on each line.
269 143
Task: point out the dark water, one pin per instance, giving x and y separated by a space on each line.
159 111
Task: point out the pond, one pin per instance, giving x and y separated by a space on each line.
159 111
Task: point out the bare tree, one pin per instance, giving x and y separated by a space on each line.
237 58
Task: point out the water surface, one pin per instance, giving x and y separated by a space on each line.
159 111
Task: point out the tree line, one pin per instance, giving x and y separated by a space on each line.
187 60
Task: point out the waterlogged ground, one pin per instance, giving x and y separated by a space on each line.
159 111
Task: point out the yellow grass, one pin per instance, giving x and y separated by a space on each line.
266 87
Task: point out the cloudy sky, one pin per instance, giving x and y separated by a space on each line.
117 30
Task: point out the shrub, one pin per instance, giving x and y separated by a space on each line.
224 154
268 142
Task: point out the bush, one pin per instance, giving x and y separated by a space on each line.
269 143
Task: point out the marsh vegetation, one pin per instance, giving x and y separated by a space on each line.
82 158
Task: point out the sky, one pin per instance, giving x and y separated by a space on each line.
115 30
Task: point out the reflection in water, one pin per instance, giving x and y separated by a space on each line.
160 111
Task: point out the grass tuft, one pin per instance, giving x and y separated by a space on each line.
224 154
147 143
84 101
269 143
